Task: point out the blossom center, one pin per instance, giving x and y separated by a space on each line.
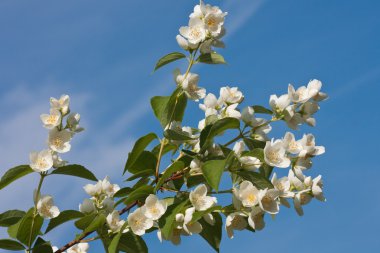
273 156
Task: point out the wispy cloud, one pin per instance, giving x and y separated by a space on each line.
365 79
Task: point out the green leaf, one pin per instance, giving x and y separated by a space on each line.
256 152
29 225
266 170
113 246
210 131
213 171
212 58
195 180
138 149
166 222
177 136
167 148
14 174
63 217
252 144
85 221
169 108
12 230
146 161
143 173
138 194
132 243
174 167
76 171
168 59
10 217
123 192
11 245
261 109
213 233
95 224
256 179
41 246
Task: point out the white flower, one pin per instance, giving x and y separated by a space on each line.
235 221
73 122
231 95
283 187
279 104
199 199
184 44
256 219
293 119
108 188
301 198
114 222
210 102
303 94
190 86
93 189
303 163
61 104
79 248
87 206
194 33
206 46
231 112
212 17
275 154
250 162
202 124
41 161
239 147
46 208
297 181
154 208
248 194
291 145
309 148
268 200
188 226
108 205
316 188
138 222
235 198
59 140
51 120
196 166
57 161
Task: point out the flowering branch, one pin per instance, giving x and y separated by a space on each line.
180 200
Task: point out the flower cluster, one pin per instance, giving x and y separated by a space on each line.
298 106
58 142
184 223
101 197
222 107
205 29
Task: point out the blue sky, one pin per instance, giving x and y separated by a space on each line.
102 54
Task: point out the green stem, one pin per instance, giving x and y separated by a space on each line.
241 135
159 158
42 176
